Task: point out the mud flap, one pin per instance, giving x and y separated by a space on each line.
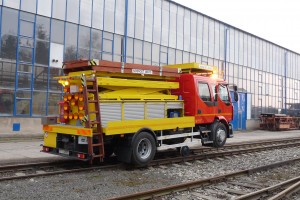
230 131
124 153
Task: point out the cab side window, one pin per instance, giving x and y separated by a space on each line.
204 92
223 93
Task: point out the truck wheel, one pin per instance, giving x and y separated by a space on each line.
219 134
185 151
143 149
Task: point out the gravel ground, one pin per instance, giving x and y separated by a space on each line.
103 184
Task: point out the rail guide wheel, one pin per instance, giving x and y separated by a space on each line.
185 151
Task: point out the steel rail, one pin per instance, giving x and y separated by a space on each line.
222 153
59 172
263 191
180 159
195 184
287 192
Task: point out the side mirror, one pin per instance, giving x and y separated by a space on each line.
236 96
216 93
235 88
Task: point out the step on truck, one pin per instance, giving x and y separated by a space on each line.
133 111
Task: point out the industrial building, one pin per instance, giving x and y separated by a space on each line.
38 35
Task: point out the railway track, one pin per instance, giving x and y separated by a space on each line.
22 171
237 185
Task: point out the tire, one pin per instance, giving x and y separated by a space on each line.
143 149
219 132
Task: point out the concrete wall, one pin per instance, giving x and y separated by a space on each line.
252 124
28 126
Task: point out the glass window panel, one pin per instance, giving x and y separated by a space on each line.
180 14
71 32
44 7
231 45
97 40
120 16
53 84
165 24
9 47
171 56
193 32
205 36
222 42
59 9
86 12
9 27
178 58
71 41
1 2
157 22
27 16
187 30
24 68
26 28
42 52
24 81
172 35
118 48
25 54
148 21
138 46
131 18
7 75
42 28
211 38
186 57
118 44
199 34
23 107
6 102
241 48
155 54
53 98
84 37
39 103
40 78
57 31
139 20
73 11
98 14
107 42
217 41
28 5
12 3
109 16
163 56
129 48
83 53
147 51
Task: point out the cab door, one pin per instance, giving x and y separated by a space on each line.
224 103
205 112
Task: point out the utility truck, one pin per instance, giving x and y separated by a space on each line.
134 110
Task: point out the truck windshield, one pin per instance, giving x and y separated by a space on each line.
223 93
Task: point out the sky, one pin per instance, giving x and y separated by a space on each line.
277 21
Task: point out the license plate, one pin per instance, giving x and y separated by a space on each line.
82 140
65 152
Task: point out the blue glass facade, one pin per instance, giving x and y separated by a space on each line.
38 35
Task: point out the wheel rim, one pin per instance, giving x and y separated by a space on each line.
144 148
221 135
